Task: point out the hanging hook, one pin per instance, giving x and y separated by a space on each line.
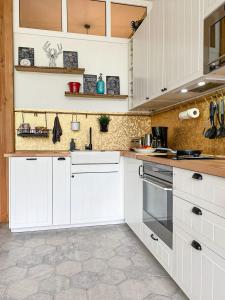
22 117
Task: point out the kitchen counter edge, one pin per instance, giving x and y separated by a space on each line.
214 167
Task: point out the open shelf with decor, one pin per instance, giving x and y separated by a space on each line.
106 96
56 70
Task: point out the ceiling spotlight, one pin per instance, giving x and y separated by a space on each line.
184 91
201 83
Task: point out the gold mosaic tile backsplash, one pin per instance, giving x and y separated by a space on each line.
121 129
188 134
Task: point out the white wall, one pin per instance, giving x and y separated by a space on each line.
46 91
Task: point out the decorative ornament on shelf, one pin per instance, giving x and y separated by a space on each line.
100 89
52 53
104 122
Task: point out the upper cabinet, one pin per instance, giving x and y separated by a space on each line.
174 48
211 5
183 42
140 67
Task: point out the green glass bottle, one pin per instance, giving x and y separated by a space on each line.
100 88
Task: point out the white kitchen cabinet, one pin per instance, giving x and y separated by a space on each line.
61 190
96 194
30 192
201 223
140 64
183 42
156 48
211 5
201 189
200 273
158 248
133 193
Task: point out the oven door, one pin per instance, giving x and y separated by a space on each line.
158 208
214 40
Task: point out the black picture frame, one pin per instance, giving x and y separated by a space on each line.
70 59
89 83
26 53
113 85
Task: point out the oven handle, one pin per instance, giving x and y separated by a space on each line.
157 185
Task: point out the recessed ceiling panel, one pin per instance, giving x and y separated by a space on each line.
87 17
121 17
41 14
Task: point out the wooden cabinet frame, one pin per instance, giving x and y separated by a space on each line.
6 100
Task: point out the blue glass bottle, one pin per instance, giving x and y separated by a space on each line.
100 88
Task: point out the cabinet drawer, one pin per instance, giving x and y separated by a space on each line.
204 225
159 249
198 271
205 190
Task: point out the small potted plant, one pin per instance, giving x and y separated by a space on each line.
104 122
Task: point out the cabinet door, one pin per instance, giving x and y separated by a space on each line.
156 48
211 5
30 192
61 190
133 194
183 42
201 274
96 198
140 64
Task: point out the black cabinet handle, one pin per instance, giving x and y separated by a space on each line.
164 89
73 176
31 159
196 245
61 158
154 238
197 176
139 171
197 211
147 98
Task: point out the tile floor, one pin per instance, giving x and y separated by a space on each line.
92 263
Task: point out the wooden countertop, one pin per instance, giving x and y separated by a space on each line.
215 167
37 154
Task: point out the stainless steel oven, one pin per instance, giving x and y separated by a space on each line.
214 40
158 200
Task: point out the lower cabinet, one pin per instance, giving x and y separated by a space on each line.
158 248
61 190
133 192
96 195
198 271
30 192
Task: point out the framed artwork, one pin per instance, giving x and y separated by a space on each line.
26 56
70 59
113 85
90 82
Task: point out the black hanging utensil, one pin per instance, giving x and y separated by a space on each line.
222 128
212 131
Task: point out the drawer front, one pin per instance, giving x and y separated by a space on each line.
198 271
204 225
209 191
159 249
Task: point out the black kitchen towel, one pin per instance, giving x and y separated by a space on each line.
57 131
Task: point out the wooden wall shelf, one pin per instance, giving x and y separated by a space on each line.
55 70
105 96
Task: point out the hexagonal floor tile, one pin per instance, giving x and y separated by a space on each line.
119 262
22 289
104 292
84 280
95 265
135 289
69 268
72 294
112 276
54 284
